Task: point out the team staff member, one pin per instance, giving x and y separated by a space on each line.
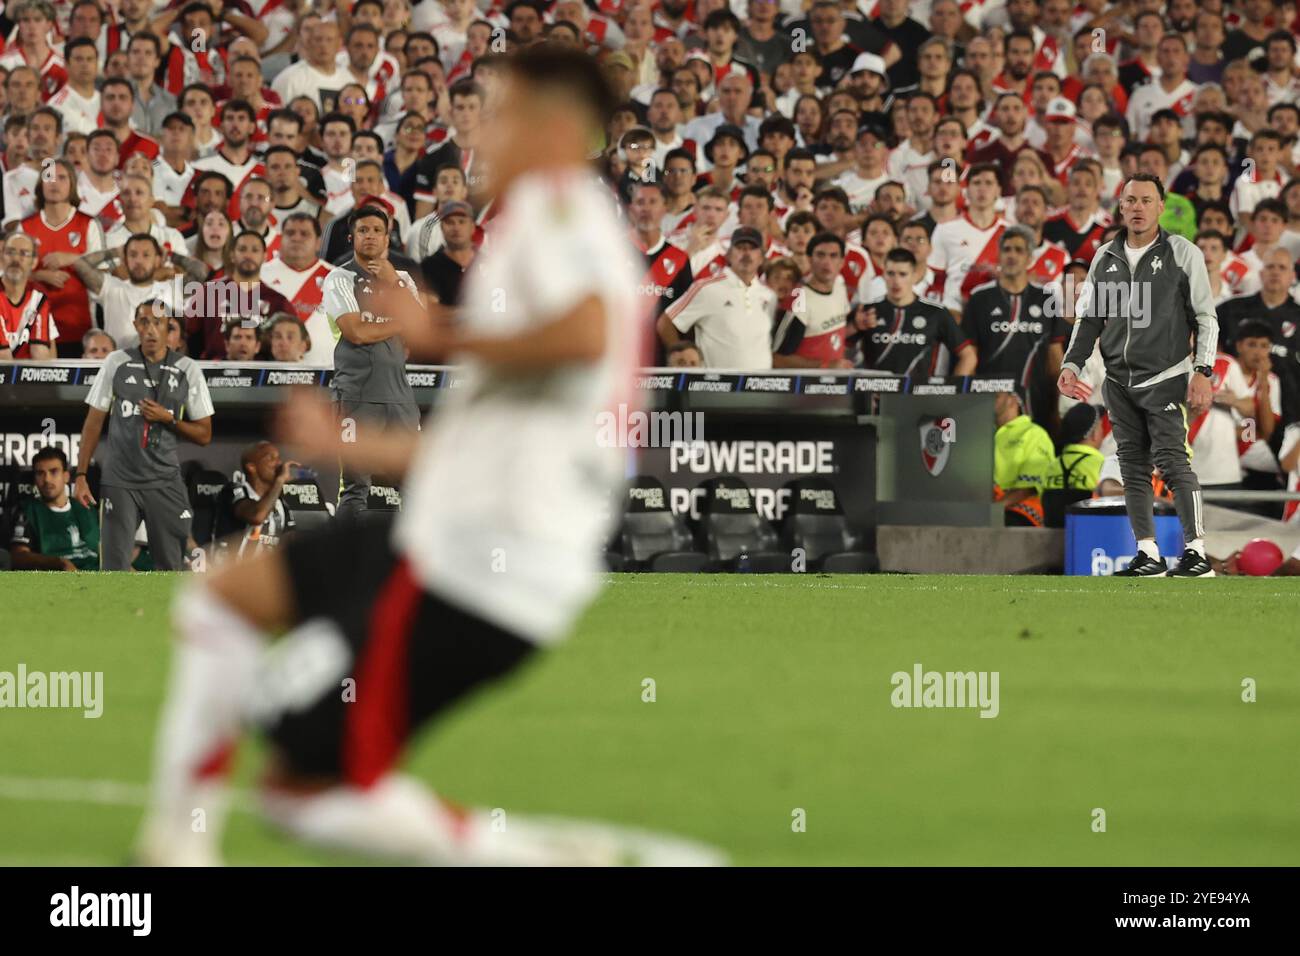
369 383
901 333
154 396
1144 346
60 534
1009 320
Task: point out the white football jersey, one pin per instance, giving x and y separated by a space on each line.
507 502
956 246
170 186
303 287
80 114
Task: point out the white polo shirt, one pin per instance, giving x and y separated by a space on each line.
732 320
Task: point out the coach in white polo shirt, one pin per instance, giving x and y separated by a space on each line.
730 312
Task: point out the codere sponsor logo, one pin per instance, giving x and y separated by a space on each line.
881 337
1018 326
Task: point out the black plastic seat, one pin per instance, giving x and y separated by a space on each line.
306 503
651 537
203 486
815 523
732 532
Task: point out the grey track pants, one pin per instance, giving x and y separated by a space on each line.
354 489
166 513
1150 426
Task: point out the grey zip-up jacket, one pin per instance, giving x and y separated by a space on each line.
1146 321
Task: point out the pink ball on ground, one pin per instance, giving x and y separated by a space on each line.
1260 557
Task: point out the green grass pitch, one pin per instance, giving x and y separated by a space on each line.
772 695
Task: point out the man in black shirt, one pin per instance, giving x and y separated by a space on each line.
445 269
829 27
1011 325
902 334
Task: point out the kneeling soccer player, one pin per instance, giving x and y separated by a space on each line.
496 552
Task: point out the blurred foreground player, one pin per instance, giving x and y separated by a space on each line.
495 553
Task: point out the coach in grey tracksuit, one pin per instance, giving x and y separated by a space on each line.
151 396
1147 317
369 384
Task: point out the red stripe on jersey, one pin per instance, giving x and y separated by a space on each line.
26 322
673 310
376 724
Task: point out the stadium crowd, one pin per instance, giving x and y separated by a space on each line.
913 188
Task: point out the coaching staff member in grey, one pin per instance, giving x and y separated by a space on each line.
154 397
369 383
1147 300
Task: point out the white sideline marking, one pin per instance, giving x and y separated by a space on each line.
113 793
109 793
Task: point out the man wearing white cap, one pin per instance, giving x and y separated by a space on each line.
1173 90
1060 147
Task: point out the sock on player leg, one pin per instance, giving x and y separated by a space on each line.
213 668
1148 547
1197 545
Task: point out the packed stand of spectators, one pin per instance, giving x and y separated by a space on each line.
911 188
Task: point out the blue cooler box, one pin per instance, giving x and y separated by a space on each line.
1098 540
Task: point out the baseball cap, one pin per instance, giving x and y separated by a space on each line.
869 63
179 117
455 207
747 234
1059 109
